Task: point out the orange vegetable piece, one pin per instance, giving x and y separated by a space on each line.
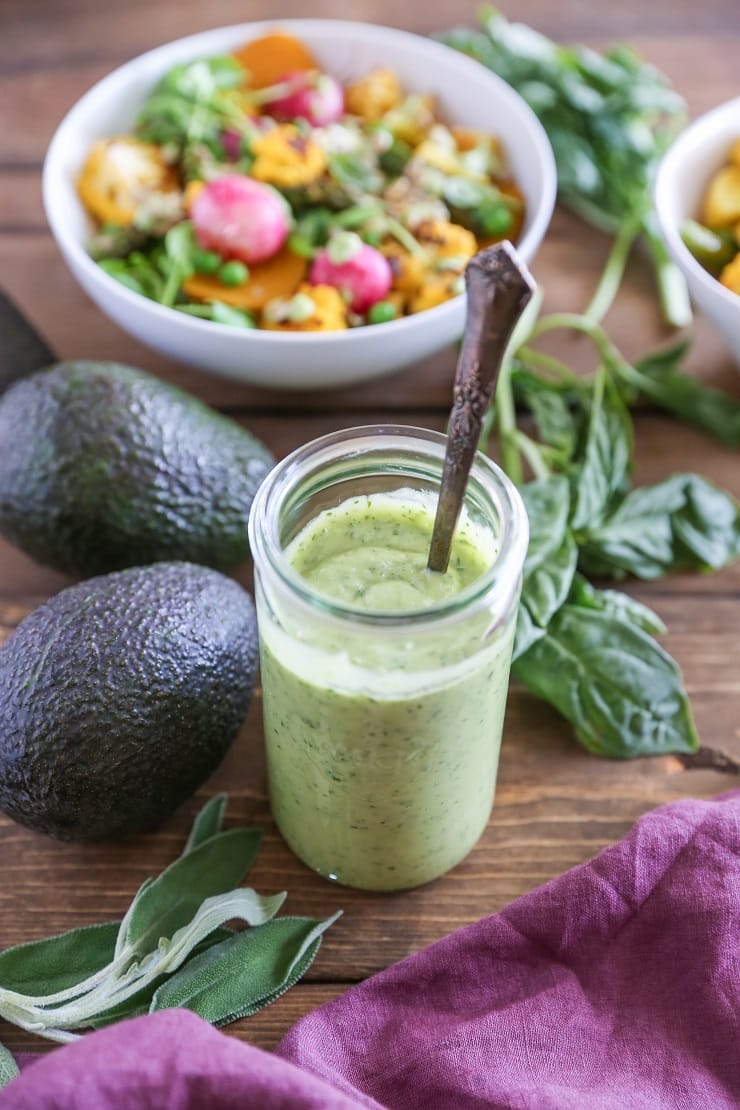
279 276
269 58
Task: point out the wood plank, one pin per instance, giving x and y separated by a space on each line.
38 96
264 1030
556 806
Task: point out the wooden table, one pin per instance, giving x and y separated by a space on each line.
556 805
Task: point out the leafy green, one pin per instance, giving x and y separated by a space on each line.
609 119
8 1066
590 652
91 977
621 691
213 867
606 458
551 558
193 103
245 973
56 963
683 523
208 823
659 379
619 605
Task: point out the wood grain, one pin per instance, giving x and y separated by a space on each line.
555 805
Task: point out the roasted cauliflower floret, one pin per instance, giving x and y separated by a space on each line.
311 308
411 120
436 290
373 95
287 158
722 200
730 276
446 240
120 175
409 270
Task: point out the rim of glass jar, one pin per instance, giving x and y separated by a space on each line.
266 545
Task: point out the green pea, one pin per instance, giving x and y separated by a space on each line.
382 312
493 220
233 273
205 262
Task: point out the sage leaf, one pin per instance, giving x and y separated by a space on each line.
617 604
622 692
167 956
139 1003
8 1066
683 523
208 823
170 902
244 974
41 967
606 457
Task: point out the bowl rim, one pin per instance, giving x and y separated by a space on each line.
714 123
137 302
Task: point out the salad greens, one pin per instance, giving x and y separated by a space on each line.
591 652
172 948
609 118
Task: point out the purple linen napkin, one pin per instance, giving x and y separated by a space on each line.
615 986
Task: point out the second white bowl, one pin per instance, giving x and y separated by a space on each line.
682 180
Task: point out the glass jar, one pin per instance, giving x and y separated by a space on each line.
382 729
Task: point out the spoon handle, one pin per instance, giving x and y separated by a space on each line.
499 288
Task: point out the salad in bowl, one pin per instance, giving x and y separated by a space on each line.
258 190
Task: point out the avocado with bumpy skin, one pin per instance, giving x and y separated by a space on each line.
120 696
104 467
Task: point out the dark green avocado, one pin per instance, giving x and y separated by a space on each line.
120 696
103 467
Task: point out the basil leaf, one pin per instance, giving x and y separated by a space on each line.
8 1067
551 558
555 421
545 589
622 692
683 523
547 502
41 967
208 822
617 604
711 410
607 456
245 973
170 902
527 632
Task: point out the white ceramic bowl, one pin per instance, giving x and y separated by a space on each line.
682 179
467 93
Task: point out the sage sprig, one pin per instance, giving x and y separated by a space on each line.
172 947
8 1066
